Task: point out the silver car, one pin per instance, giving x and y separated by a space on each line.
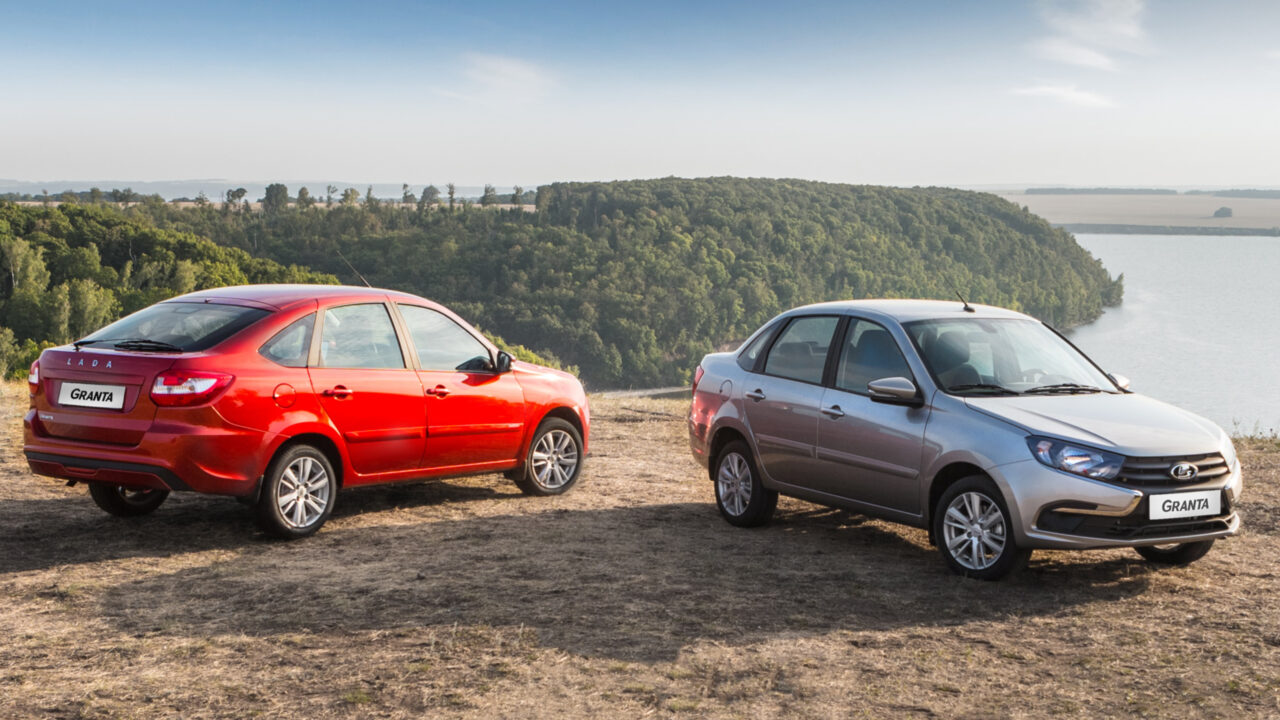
983 425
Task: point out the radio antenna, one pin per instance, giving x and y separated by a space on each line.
353 267
967 307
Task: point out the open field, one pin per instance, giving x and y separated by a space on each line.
629 597
1178 210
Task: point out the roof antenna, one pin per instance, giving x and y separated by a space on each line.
967 307
353 267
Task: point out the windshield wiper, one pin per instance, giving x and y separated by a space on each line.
145 345
1062 388
999 389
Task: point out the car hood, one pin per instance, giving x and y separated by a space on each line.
1129 424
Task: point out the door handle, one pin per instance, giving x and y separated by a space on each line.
438 391
834 412
756 394
339 392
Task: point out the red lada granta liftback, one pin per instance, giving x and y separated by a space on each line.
281 394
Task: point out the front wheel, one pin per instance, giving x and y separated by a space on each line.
297 493
974 532
554 461
1175 554
126 502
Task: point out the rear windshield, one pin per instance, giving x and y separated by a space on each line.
189 326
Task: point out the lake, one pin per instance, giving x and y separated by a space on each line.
1199 326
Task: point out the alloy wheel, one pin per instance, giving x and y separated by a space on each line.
555 457
303 493
974 530
733 483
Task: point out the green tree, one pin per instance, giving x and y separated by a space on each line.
490 196
329 190
276 199
451 190
517 196
407 197
304 198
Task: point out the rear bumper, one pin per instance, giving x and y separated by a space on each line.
223 460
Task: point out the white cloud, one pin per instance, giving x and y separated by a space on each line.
1067 94
502 75
1066 51
1088 33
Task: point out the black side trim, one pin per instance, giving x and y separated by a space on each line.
165 474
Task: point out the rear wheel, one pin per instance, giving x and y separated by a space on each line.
554 461
974 531
126 502
1175 553
297 495
742 499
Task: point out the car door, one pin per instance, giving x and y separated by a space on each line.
475 415
782 397
869 451
370 393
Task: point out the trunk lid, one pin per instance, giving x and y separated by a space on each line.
98 395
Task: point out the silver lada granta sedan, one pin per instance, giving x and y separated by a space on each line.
983 425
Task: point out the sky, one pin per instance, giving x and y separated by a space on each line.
969 93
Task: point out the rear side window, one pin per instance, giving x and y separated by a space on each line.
441 343
190 326
801 350
747 358
291 345
359 336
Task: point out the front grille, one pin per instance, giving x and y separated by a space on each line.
1153 471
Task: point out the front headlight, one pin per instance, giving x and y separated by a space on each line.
1075 459
1228 448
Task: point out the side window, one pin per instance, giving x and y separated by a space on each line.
359 336
290 346
441 343
801 350
869 353
747 358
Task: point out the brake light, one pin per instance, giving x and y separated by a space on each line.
174 388
33 377
697 377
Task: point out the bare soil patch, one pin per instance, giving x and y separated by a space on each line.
628 597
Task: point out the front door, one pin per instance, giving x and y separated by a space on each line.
371 395
781 402
869 452
475 416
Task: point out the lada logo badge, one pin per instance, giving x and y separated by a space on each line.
1183 471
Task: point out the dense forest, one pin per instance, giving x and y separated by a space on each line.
633 281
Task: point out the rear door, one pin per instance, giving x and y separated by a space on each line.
782 398
474 415
367 388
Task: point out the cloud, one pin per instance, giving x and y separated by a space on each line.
499 74
1087 33
1066 94
1065 51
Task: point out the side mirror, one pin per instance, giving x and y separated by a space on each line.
1121 381
504 362
895 391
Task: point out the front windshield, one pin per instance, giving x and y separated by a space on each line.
1005 356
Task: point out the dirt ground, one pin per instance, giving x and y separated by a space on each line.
1176 210
629 597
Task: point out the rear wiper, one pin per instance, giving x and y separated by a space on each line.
145 345
999 389
1063 388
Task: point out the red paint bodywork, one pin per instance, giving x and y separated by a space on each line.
388 425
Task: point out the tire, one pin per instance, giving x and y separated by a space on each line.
742 499
126 502
298 493
972 504
554 462
1179 554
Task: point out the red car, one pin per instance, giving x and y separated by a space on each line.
281 394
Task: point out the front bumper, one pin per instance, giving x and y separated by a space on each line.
1056 510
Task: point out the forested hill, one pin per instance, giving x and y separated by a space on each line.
633 281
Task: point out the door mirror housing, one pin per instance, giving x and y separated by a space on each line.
895 391
504 362
1121 381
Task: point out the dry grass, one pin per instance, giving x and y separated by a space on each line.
1178 210
629 597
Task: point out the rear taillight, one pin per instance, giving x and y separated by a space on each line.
697 377
187 387
33 377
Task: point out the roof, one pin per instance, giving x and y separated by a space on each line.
279 296
909 310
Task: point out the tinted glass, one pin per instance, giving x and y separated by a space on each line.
869 353
291 345
359 336
189 326
747 359
801 351
441 343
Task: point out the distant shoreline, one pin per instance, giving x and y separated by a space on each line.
1120 229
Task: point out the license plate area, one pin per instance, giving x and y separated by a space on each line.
1185 505
92 395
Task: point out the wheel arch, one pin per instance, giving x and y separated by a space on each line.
943 479
321 442
723 435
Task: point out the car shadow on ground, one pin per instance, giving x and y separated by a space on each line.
634 583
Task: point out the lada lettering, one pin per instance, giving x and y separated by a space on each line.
1185 505
92 395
